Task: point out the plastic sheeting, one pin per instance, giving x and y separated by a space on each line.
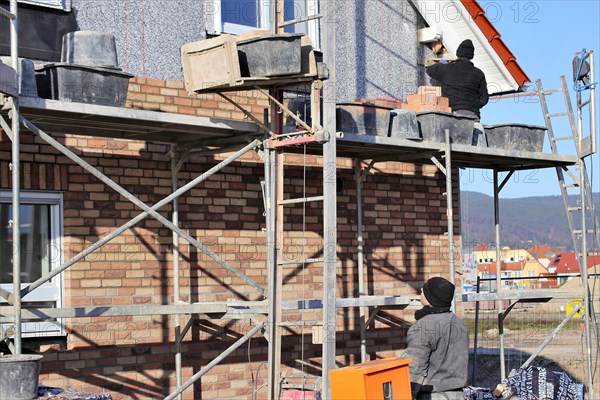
532 383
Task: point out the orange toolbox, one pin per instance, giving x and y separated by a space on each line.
386 379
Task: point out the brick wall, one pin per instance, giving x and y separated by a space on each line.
132 356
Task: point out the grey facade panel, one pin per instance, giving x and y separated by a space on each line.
378 51
149 33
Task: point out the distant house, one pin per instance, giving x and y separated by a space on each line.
566 266
507 255
487 272
514 264
531 269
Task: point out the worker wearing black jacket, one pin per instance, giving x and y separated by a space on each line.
438 344
465 87
462 82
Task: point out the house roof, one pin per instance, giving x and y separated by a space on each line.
491 268
542 251
566 263
458 20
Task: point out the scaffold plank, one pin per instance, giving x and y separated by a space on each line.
55 116
6 312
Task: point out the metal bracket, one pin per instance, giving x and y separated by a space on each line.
249 115
286 111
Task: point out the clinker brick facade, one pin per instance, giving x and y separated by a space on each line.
132 356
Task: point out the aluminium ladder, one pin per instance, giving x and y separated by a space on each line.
576 189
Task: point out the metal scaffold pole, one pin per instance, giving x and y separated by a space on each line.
176 269
360 259
450 210
499 273
584 278
330 200
16 184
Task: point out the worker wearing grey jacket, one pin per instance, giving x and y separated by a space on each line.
438 344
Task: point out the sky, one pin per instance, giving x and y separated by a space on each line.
544 35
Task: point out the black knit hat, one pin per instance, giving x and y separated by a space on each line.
466 49
439 292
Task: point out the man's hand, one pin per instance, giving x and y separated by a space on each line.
432 61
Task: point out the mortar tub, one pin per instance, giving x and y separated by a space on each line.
363 119
433 125
515 137
19 376
89 48
403 124
27 73
83 84
270 55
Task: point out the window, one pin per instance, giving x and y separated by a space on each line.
239 16
530 274
41 251
64 5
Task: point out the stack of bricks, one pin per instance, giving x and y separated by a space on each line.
427 98
381 102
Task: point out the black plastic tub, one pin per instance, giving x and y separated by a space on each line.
19 376
83 84
363 119
516 137
433 125
270 55
403 124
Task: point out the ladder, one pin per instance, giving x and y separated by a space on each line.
575 186
574 183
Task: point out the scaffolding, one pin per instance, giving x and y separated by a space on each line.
43 116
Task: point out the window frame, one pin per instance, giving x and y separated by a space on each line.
64 5
53 290
228 27
266 20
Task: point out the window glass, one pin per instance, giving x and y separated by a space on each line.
293 10
35 242
41 251
240 12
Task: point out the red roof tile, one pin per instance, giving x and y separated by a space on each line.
493 37
566 263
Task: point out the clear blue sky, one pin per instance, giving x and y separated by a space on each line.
544 36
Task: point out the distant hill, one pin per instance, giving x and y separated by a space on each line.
524 221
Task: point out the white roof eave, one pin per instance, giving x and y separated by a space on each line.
456 24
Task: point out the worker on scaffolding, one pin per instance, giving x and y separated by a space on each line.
464 85
438 344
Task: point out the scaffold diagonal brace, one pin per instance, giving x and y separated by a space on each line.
6 128
216 361
147 210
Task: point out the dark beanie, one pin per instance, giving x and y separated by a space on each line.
466 49
439 292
